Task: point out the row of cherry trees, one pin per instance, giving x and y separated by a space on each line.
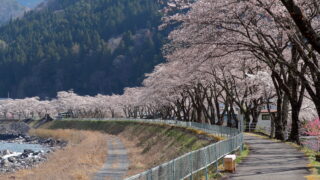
99 106
277 38
240 54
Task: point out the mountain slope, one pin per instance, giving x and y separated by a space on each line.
91 46
10 9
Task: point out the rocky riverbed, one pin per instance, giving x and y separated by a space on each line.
12 161
19 158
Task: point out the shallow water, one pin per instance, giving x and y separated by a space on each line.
15 147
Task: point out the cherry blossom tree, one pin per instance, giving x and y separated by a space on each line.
313 129
239 54
263 30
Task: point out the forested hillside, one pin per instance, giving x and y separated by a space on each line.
90 46
30 3
10 9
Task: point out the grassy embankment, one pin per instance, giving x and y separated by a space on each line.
148 144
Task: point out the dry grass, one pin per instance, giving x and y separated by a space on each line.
150 149
84 155
138 162
148 145
72 136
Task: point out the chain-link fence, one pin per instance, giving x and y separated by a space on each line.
221 131
189 164
266 129
311 142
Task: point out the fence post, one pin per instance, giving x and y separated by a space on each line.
216 158
217 166
173 173
207 176
150 175
241 146
206 158
191 166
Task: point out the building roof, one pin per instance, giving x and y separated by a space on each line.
266 111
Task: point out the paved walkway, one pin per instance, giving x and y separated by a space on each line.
117 162
269 160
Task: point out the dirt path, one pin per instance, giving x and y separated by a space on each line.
270 160
117 162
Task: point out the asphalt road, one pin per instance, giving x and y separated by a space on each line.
270 160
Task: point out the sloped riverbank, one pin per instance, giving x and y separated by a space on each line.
79 159
23 151
147 144
18 150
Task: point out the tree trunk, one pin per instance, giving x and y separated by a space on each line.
303 23
247 121
255 115
278 121
254 123
294 134
279 129
285 114
272 126
318 107
272 117
235 118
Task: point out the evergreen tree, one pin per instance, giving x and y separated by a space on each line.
66 45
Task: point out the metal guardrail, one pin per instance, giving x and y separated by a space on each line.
266 129
311 142
188 164
221 131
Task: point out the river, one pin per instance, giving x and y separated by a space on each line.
19 147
